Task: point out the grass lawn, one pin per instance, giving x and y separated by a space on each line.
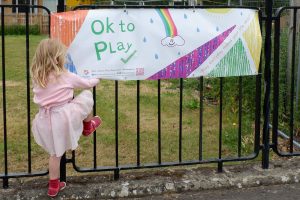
105 107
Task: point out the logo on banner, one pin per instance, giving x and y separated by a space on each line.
86 72
139 72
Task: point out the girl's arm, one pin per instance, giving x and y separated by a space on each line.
82 83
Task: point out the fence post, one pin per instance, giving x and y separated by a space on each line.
220 167
63 171
267 78
117 171
5 180
116 174
61 6
63 162
5 183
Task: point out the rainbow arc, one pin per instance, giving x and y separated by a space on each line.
170 27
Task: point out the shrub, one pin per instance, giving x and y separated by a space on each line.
21 30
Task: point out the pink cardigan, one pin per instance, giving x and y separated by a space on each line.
60 90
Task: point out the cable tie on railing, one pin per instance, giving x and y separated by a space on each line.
125 8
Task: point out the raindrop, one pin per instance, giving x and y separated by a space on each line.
179 53
198 30
151 21
145 40
241 13
185 16
156 56
217 28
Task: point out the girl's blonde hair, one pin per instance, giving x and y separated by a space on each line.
48 58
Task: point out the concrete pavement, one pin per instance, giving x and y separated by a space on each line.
270 192
161 182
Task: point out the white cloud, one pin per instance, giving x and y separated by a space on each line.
173 41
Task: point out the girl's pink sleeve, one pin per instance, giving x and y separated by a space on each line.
82 83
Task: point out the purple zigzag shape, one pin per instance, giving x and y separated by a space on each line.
185 65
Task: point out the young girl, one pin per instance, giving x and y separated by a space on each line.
61 119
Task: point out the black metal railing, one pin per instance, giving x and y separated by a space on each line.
219 159
284 106
6 175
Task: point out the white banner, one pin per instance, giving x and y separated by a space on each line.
139 44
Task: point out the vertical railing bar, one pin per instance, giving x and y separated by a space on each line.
73 159
116 172
240 116
159 120
28 88
201 120
5 180
60 6
63 161
291 123
220 163
63 168
276 82
138 123
117 122
180 120
94 135
257 110
267 84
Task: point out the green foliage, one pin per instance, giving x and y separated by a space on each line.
211 92
231 135
21 30
284 102
192 104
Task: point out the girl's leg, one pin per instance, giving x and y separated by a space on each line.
54 184
54 165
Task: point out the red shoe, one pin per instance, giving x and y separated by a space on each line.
90 126
55 186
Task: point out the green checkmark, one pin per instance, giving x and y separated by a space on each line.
130 56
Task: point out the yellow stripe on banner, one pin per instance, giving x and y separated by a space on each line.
219 11
73 3
254 46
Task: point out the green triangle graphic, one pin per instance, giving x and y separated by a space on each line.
235 63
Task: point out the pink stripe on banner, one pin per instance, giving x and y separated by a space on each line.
185 65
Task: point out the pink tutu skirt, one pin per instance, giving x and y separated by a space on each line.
59 128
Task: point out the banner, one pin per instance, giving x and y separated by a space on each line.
140 44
